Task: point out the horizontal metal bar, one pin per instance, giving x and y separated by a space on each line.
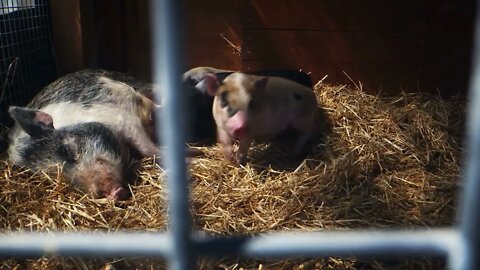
84 244
443 242
343 244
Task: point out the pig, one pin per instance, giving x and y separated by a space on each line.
250 107
202 125
92 156
94 95
201 128
93 123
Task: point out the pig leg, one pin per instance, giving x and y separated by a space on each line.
226 142
243 150
136 135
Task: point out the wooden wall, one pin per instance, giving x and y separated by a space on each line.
115 35
409 44
415 45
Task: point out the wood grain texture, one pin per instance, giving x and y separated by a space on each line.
67 35
387 78
418 45
345 15
414 44
205 27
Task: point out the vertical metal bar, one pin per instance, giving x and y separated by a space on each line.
470 219
168 62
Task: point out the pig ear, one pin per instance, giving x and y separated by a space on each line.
211 83
261 83
34 122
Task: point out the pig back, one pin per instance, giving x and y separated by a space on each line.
92 86
291 98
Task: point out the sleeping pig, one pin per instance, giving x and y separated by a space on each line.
88 122
93 157
249 107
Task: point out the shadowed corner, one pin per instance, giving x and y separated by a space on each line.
3 141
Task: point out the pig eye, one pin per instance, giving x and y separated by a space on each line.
231 111
67 154
101 161
223 99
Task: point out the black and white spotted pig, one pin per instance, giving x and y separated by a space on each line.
249 107
84 121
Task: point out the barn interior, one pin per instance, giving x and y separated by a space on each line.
391 76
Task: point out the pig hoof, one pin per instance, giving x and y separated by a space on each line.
118 194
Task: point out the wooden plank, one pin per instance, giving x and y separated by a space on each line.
201 23
211 51
90 50
448 47
204 27
421 45
138 49
385 78
215 6
366 15
331 46
123 38
110 36
67 35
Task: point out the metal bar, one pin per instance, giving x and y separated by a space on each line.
470 214
345 243
441 242
84 244
167 50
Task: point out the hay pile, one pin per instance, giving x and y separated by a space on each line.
387 162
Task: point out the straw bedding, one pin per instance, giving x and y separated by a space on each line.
385 162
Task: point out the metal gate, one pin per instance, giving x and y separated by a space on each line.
458 244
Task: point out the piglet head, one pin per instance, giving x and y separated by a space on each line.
238 99
100 165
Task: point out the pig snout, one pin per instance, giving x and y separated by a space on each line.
101 179
237 125
109 185
117 194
